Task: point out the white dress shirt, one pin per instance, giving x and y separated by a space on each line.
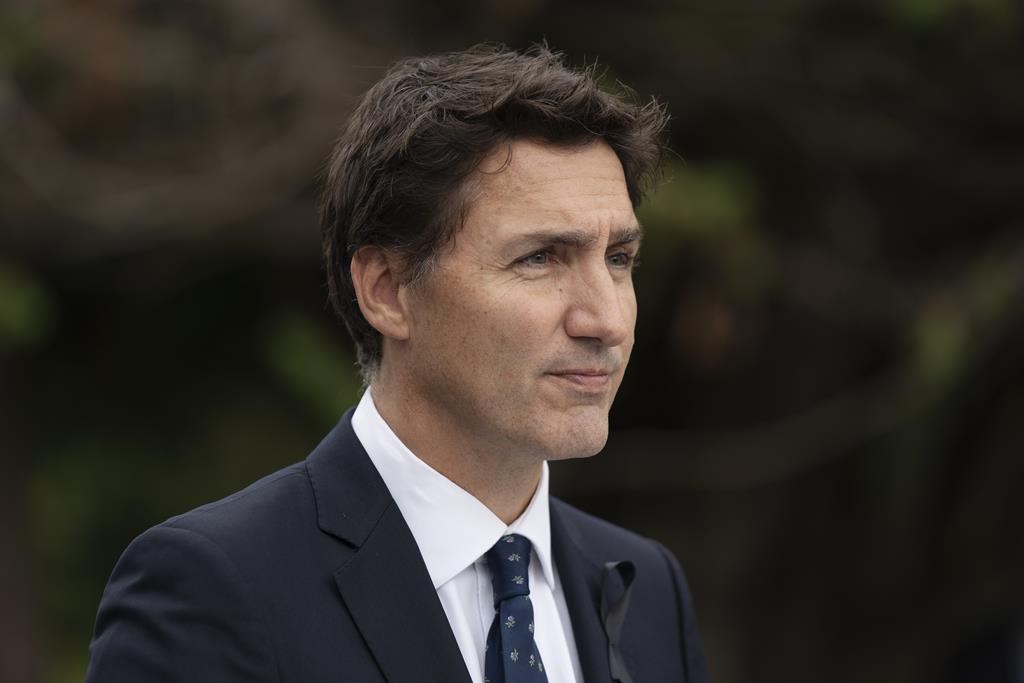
453 531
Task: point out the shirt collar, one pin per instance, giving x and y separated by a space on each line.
451 527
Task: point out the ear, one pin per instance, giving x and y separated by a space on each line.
376 280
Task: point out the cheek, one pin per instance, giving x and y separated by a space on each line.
479 338
505 337
512 340
629 307
628 299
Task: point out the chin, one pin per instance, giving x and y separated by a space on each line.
579 441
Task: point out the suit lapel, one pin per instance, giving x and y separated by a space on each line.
384 584
580 577
388 591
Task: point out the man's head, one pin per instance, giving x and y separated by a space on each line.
405 171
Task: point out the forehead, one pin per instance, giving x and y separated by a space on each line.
530 183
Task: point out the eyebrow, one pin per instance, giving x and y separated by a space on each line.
577 238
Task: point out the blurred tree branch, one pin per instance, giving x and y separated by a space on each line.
277 97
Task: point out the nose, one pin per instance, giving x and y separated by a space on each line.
601 306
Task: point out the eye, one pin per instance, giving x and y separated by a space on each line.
622 259
538 258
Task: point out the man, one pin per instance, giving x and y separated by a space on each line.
479 238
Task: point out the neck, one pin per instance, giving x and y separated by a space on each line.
500 480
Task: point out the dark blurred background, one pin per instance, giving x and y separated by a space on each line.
824 416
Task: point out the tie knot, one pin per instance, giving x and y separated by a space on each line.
509 562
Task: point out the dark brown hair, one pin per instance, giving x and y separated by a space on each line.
398 176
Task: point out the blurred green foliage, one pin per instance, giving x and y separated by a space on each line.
713 207
942 340
18 42
312 365
26 312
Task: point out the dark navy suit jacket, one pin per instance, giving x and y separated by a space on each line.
311 575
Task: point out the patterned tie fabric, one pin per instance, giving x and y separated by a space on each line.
512 655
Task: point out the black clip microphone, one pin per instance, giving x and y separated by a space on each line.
614 614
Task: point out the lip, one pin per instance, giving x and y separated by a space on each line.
584 378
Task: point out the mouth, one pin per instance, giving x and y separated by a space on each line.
584 379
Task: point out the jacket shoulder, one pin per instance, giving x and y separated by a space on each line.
278 501
180 599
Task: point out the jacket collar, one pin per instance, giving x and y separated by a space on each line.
350 495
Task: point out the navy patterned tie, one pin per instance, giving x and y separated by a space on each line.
512 655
